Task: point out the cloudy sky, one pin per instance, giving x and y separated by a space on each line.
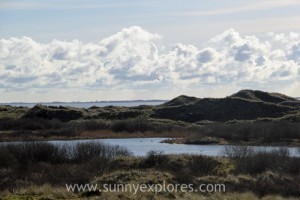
86 50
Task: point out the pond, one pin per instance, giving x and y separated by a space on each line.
141 146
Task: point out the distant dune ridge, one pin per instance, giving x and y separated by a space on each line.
257 95
243 105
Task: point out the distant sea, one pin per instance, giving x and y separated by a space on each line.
94 103
90 104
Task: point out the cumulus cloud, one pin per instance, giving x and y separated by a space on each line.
133 59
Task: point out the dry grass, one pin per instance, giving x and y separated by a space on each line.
38 192
49 193
133 177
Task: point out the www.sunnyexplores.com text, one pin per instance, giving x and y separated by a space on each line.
136 188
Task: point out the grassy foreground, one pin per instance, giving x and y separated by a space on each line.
48 192
42 170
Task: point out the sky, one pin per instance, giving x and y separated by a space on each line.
92 50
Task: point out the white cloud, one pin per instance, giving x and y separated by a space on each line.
133 58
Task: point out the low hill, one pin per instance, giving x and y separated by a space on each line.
256 95
66 114
244 105
51 112
7 111
181 100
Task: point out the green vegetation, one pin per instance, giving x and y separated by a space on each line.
256 95
249 117
43 129
260 132
244 105
222 110
41 170
10 112
24 164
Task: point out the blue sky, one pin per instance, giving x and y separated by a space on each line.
110 50
191 21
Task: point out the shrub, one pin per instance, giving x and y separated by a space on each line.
247 160
154 159
270 183
238 151
263 131
202 165
86 151
90 125
131 125
7 160
29 152
29 124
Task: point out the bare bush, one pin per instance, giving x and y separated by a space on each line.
238 151
250 161
30 152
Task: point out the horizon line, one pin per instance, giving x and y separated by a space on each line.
102 101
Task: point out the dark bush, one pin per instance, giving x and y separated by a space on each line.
202 165
272 183
154 159
7 160
131 125
27 153
90 125
30 152
29 124
86 151
249 161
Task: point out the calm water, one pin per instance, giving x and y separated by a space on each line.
90 104
141 146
